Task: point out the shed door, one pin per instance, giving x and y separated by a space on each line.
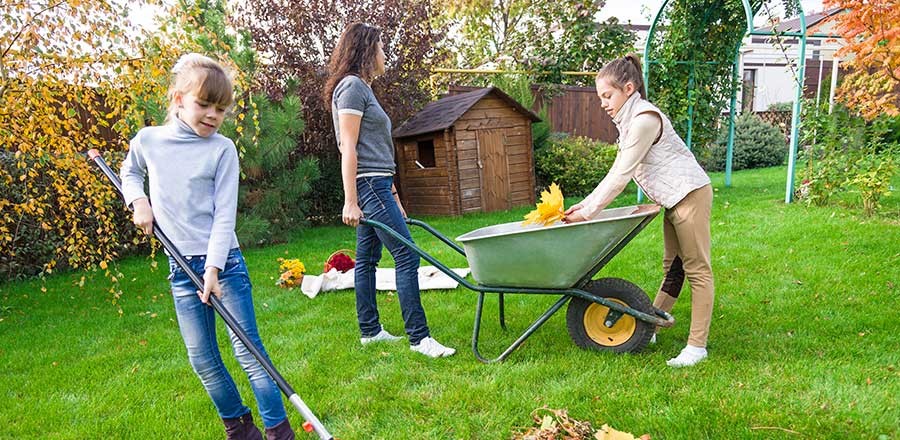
494 170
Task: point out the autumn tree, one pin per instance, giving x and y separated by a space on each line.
59 96
76 75
541 36
871 30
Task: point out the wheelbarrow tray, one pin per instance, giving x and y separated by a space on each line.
548 257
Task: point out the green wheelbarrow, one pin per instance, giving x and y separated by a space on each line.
607 314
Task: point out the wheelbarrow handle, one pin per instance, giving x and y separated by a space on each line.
441 237
668 320
312 422
417 250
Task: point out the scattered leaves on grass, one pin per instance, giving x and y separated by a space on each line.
555 424
549 210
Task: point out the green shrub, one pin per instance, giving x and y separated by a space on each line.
274 197
326 197
887 129
757 144
577 164
872 176
844 151
781 106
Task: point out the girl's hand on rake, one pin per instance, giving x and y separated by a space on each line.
210 284
143 215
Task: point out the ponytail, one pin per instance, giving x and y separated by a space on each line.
623 70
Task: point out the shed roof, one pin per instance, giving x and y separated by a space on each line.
444 112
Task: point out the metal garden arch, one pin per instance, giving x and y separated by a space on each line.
798 80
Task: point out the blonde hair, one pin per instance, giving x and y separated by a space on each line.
622 70
204 78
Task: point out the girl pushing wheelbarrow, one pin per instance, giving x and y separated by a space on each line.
651 153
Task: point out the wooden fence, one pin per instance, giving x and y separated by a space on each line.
569 109
577 111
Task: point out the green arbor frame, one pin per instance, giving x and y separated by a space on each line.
801 73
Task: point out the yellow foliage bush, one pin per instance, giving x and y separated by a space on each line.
64 91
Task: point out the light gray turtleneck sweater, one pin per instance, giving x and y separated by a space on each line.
193 184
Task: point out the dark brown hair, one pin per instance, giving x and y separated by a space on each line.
622 70
354 54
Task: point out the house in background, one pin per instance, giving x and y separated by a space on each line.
768 64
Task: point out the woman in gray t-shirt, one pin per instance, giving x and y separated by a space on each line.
363 132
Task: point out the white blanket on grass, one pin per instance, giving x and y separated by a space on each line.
430 278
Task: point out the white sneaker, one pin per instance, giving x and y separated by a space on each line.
431 348
689 356
383 335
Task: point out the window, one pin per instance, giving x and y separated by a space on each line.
425 156
749 89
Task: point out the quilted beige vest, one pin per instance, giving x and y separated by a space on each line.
669 171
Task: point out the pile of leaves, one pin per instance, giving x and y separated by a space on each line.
555 424
549 210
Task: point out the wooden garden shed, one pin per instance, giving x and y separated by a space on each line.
465 153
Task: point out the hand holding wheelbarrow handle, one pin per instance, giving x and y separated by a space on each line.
312 422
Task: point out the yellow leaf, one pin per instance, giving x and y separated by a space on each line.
608 433
549 210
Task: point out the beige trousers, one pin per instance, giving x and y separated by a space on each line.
687 253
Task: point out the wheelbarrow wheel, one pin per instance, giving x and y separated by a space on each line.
585 319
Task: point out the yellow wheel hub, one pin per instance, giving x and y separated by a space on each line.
594 318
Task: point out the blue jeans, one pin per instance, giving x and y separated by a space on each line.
377 203
197 322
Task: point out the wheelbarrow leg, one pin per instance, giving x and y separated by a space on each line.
502 314
531 329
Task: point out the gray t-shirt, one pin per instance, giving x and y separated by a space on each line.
375 147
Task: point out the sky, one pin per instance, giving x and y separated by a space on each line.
636 11
642 11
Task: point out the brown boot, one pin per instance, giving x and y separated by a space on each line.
281 431
241 428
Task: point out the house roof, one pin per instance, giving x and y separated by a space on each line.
440 114
793 25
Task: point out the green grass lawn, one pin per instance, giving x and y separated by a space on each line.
804 343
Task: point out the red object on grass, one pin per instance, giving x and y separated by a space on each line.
340 260
308 427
